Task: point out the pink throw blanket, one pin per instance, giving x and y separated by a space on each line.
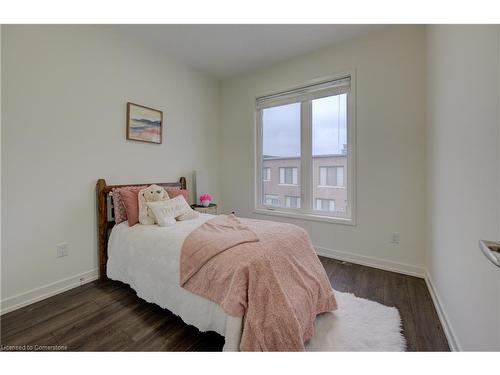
266 272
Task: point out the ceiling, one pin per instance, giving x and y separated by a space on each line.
225 51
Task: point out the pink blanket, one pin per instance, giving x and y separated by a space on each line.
264 271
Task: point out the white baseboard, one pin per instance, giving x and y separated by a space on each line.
34 295
443 317
405 269
387 265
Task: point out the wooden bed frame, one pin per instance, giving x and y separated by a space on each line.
105 224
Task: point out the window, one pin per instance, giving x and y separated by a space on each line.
266 174
271 200
325 204
281 150
288 176
292 202
331 176
306 135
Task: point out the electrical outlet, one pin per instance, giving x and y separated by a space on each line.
395 238
62 249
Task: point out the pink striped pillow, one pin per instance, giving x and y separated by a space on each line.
174 192
131 202
119 207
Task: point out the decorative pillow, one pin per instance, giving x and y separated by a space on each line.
165 212
174 192
152 193
119 207
188 215
131 203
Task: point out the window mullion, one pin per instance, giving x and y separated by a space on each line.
306 155
259 197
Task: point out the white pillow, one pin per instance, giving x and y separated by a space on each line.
165 212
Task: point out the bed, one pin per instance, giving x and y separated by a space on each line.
259 284
155 278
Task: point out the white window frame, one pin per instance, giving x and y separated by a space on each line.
295 173
265 177
288 198
272 197
331 202
307 211
337 167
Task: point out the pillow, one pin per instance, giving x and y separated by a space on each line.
131 203
165 212
174 192
188 215
119 207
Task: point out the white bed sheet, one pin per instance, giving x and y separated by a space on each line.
147 258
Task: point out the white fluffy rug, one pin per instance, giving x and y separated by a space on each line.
358 325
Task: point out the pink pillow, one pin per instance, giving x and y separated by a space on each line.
119 208
131 203
173 192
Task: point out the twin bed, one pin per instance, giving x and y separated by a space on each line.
151 259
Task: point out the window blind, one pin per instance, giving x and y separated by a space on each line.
314 91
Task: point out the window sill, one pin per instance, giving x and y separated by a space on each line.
288 185
330 187
304 216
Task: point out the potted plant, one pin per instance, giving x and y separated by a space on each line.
205 199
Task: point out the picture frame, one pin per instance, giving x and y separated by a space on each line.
144 124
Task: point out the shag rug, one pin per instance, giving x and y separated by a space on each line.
357 325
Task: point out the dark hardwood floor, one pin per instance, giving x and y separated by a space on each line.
108 315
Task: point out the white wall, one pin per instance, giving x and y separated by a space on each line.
390 114
64 94
463 179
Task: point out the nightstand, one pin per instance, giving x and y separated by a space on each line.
211 209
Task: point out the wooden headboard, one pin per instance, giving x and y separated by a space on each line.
106 222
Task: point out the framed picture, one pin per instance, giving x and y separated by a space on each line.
144 124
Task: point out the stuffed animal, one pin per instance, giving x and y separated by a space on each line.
152 193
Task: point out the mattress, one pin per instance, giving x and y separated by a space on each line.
147 258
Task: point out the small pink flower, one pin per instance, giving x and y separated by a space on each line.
205 197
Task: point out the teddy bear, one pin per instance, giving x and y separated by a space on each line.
152 193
